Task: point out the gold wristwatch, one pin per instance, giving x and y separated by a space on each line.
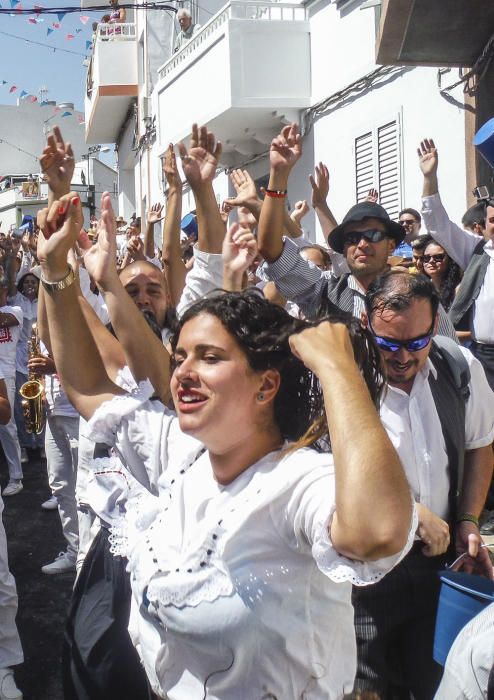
61 284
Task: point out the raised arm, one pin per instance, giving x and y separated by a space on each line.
199 163
144 352
57 163
369 477
76 356
285 151
458 243
239 252
320 190
154 216
171 253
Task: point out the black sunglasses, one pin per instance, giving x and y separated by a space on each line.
412 344
438 257
371 236
407 222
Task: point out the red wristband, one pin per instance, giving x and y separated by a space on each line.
277 194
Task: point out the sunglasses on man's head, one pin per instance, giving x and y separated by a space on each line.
438 257
411 345
371 236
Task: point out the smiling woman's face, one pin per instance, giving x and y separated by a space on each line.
213 387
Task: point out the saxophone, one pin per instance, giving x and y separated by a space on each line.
32 391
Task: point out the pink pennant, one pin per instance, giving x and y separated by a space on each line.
37 9
84 19
18 8
70 36
56 25
13 88
32 20
80 119
33 98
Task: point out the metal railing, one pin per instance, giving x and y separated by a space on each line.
125 31
235 9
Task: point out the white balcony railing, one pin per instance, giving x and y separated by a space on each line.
235 9
126 31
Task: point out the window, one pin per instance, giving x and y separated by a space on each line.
378 165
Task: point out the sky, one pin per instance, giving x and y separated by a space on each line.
30 67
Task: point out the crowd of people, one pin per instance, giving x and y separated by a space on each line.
262 450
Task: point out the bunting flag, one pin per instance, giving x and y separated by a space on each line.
80 119
23 94
55 25
70 36
18 7
4 82
32 20
84 19
60 15
33 98
14 3
67 114
13 88
43 104
88 44
78 31
37 9
49 31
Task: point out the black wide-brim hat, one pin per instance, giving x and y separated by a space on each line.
365 210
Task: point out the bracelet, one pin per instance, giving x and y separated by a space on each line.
467 517
277 194
61 284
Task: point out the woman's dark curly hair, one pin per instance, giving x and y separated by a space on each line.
262 330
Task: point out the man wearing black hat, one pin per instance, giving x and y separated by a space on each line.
367 237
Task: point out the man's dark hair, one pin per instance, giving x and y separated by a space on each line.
475 215
396 290
412 212
421 242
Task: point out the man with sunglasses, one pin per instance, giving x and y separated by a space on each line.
442 429
366 237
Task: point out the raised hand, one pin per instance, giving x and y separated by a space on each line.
135 248
320 186
245 187
200 161
100 258
325 345
155 214
286 149
170 169
239 249
372 196
57 163
60 226
300 209
428 157
225 210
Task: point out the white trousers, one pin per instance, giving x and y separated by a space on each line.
8 436
61 447
10 644
88 523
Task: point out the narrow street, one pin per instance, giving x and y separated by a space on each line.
35 538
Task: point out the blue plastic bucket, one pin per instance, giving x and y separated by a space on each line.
462 597
189 225
484 141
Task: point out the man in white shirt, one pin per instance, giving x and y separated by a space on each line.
472 308
442 429
10 329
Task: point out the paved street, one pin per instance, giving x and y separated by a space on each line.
35 538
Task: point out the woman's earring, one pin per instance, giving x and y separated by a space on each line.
260 396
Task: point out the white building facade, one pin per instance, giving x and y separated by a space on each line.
255 66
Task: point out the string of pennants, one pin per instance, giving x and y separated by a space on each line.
16 5
27 97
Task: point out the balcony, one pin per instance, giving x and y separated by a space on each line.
425 33
245 74
112 82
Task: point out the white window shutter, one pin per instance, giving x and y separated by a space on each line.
388 164
364 165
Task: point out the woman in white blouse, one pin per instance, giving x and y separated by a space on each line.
242 542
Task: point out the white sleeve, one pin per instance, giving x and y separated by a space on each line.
14 311
94 300
479 419
205 276
311 508
458 243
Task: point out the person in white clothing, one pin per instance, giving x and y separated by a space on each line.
10 330
10 644
241 555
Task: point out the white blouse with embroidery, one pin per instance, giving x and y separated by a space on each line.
238 593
